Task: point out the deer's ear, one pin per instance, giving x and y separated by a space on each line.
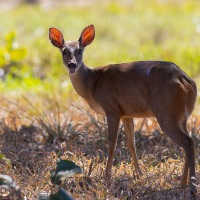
56 37
87 36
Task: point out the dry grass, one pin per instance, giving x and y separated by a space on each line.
33 139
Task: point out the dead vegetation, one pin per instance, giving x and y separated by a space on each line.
34 138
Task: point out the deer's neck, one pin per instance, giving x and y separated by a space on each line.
83 81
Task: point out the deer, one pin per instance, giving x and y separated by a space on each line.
139 89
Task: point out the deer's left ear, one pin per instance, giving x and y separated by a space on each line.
56 37
87 36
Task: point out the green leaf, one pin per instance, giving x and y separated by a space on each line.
61 195
41 197
7 160
7 182
18 54
10 37
2 156
65 168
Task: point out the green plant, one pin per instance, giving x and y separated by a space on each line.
11 55
64 169
8 183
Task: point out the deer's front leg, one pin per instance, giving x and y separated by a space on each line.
113 126
130 136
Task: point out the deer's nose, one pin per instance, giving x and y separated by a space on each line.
72 64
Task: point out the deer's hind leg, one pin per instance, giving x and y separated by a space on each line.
172 108
184 180
173 128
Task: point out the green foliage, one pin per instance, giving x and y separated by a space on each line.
65 168
8 162
7 182
61 195
11 54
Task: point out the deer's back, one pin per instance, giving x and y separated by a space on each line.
132 88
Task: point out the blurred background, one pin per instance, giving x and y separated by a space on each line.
126 31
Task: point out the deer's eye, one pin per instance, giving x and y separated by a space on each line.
64 52
80 51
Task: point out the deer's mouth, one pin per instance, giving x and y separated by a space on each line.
72 66
72 70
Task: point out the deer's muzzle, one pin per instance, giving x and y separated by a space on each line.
72 66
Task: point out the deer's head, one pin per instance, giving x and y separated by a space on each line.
72 51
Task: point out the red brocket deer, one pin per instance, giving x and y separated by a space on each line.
137 89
